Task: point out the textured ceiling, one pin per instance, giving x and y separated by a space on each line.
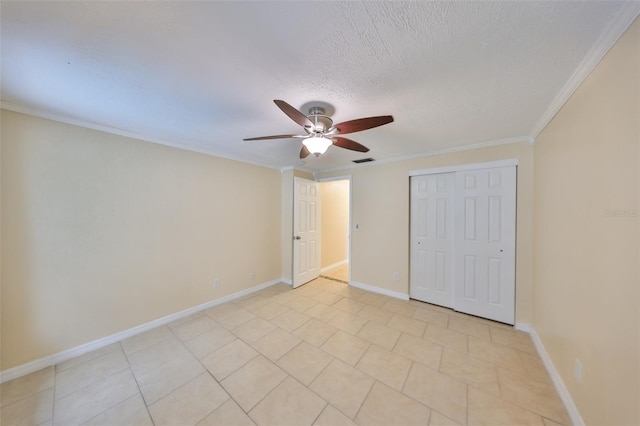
202 75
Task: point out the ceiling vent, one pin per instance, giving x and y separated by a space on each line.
364 160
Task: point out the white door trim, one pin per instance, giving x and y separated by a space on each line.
463 167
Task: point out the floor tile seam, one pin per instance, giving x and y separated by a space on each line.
149 345
124 400
183 341
164 363
411 396
365 398
444 346
106 409
406 332
301 384
406 378
185 320
321 411
466 418
209 413
84 363
257 354
527 387
144 401
265 395
533 410
128 367
529 377
29 395
55 371
195 378
496 365
521 406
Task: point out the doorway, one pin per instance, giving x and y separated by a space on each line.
335 195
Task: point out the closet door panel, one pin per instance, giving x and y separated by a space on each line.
485 243
432 238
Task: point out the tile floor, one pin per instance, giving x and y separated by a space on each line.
322 354
339 273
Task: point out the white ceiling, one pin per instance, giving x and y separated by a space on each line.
203 75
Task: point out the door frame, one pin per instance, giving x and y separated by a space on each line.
349 219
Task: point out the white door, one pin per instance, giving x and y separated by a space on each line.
432 238
306 231
485 243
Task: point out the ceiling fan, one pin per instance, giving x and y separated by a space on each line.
321 133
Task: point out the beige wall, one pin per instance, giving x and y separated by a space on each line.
101 233
380 208
586 291
334 203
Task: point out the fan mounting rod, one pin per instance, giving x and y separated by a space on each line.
321 122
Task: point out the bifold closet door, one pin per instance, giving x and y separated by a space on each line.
462 238
486 243
432 238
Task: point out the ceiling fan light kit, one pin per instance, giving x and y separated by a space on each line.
317 145
320 131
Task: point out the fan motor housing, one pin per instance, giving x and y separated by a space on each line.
321 122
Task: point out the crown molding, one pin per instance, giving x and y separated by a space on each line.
621 22
434 153
125 133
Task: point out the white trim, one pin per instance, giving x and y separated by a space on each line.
335 265
379 290
565 396
462 167
125 133
332 178
286 281
521 326
434 153
49 360
622 21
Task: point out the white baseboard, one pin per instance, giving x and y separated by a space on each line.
286 281
379 290
57 358
335 265
522 326
562 390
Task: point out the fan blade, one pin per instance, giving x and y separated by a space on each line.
261 138
293 113
349 144
362 124
304 152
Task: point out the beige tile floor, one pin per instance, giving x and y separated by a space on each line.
339 273
322 354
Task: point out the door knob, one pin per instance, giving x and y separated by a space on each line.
297 237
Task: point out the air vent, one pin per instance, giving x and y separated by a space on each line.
364 160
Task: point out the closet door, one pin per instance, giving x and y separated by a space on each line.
432 238
485 243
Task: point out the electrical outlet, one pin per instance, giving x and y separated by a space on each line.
577 370
252 276
216 283
396 276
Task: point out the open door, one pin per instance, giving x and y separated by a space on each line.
306 231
